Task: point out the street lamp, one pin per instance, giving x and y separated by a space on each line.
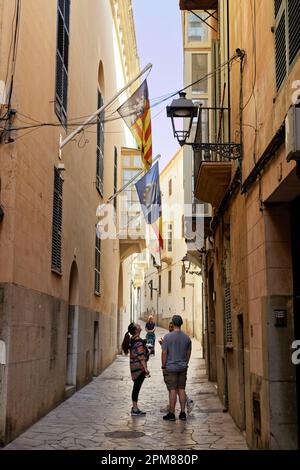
182 108
187 266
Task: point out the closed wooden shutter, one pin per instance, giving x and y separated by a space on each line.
228 319
62 60
57 222
98 264
280 44
115 175
277 5
294 29
100 147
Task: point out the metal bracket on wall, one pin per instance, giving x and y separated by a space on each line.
230 151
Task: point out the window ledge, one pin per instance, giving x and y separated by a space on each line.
57 272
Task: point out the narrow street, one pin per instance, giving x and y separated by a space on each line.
98 416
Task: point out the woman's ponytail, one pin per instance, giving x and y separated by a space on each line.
126 340
125 344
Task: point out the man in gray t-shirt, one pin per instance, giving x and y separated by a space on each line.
176 353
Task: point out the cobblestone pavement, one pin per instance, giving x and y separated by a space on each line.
98 416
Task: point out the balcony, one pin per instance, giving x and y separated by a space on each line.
132 235
213 155
198 4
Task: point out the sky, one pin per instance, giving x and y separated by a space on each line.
159 40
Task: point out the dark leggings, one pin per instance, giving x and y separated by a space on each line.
137 386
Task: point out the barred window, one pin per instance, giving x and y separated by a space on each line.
100 147
57 222
228 320
62 59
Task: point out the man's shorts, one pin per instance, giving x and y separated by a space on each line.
175 380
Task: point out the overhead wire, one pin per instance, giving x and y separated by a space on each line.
110 117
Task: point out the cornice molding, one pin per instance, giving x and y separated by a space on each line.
125 29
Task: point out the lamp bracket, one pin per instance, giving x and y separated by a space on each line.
230 151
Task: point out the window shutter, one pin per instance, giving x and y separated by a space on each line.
228 320
100 148
277 5
183 277
115 175
62 60
98 264
280 49
57 222
294 29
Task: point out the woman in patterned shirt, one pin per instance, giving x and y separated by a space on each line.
138 363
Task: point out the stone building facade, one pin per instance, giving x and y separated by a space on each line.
250 254
60 286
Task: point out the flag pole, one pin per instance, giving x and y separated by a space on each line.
100 110
101 207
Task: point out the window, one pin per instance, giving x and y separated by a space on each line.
100 147
182 277
228 321
62 59
199 70
159 284
97 264
115 175
170 187
183 301
151 289
287 37
57 222
197 29
170 237
169 282
183 226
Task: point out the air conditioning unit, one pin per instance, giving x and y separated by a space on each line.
292 134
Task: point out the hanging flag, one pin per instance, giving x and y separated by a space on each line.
137 116
149 194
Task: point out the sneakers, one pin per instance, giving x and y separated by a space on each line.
182 416
189 405
137 412
169 417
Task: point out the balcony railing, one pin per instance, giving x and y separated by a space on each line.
211 142
213 154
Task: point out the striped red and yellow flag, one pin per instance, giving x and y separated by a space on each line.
137 115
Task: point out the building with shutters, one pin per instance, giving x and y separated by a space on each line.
169 290
246 165
61 292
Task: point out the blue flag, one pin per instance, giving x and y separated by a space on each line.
149 194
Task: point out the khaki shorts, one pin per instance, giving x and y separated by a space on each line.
175 380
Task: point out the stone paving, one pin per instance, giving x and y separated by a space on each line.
98 416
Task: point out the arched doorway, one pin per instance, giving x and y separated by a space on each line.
72 332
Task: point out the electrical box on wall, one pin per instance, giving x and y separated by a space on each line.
292 134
